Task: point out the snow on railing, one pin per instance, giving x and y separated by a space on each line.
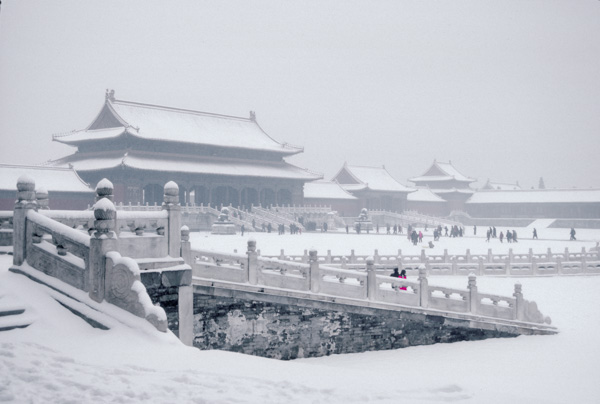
548 263
315 278
80 248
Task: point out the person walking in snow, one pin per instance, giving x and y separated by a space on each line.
535 234
474 230
514 235
573 234
501 236
420 237
488 235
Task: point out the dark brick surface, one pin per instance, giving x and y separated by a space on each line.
291 331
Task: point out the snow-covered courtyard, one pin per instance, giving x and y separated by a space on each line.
60 359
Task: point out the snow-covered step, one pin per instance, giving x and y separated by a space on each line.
14 316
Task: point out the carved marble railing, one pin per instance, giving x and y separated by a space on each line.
6 226
82 249
315 278
548 263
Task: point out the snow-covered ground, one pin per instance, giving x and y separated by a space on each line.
60 359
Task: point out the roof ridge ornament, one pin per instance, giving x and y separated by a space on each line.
110 95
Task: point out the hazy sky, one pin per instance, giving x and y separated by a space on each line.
507 90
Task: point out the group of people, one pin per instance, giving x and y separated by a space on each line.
511 236
397 228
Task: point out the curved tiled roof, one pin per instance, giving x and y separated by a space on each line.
53 179
374 178
154 122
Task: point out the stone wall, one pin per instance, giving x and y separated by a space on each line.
289 328
163 287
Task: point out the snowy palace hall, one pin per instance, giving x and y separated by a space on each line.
214 158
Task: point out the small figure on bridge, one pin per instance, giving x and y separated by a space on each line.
514 235
242 229
572 234
501 236
474 230
535 234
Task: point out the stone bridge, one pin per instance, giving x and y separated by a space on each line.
242 302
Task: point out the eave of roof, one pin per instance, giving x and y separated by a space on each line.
204 166
53 179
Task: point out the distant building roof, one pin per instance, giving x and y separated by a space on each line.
153 122
537 196
442 172
325 190
53 179
498 186
424 195
169 163
355 178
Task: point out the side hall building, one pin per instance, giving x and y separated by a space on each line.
216 159
374 188
444 180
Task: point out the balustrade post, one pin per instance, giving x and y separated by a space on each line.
328 259
566 253
583 260
468 256
26 201
473 294
520 303
344 263
490 256
186 246
445 255
510 255
171 205
352 257
102 240
371 279
530 255
252 267
423 287
41 196
454 265
549 254
480 267
423 256
534 266
314 275
305 256
376 257
559 267
281 254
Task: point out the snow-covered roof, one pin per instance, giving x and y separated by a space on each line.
537 196
325 190
279 169
442 172
154 122
373 178
499 186
424 195
52 179
452 190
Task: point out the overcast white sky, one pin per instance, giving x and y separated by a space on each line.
507 90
